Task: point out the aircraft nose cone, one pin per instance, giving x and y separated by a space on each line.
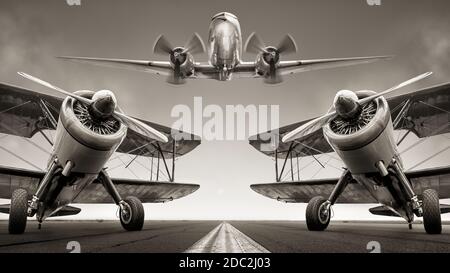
104 104
346 104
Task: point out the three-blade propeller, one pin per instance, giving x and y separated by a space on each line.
132 123
271 55
178 55
316 124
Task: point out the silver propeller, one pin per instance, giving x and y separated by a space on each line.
178 55
271 55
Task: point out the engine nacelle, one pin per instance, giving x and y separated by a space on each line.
186 61
262 67
263 61
87 144
362 144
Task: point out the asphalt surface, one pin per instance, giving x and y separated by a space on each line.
180 236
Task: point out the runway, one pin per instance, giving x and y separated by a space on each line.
219 236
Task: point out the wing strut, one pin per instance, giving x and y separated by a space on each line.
291 148
169 174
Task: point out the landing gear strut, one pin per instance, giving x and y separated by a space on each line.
318 212
429 208
131 209
408 188
33 207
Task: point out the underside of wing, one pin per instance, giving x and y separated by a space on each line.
271 144
425 112
147 192
304 191
154 67
293 67
436 178
245 70
24 112
14 178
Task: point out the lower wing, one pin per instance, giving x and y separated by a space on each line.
148 192
303 192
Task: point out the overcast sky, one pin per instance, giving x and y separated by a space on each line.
416 31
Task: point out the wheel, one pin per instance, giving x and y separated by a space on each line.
431 212
18 212
132 216
317 216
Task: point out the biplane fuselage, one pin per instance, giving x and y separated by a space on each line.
79 154
371 156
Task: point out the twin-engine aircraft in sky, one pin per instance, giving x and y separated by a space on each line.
225 48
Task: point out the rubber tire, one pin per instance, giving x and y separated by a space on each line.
18 212
312 215
431 212
137 214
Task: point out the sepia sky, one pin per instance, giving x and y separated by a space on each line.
32 33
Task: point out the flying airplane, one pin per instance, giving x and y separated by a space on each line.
90 128
225 57
360 129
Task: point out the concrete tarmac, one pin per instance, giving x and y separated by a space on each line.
192 236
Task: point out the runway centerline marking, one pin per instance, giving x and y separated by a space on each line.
226 239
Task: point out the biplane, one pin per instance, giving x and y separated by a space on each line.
90 128
359 128
224 57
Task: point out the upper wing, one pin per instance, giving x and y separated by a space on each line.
155 67
292 67
148 192
23 113
302 192
427 113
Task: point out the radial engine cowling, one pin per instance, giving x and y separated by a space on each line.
87 143
363 142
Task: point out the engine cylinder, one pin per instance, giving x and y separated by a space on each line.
374 142
78 142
